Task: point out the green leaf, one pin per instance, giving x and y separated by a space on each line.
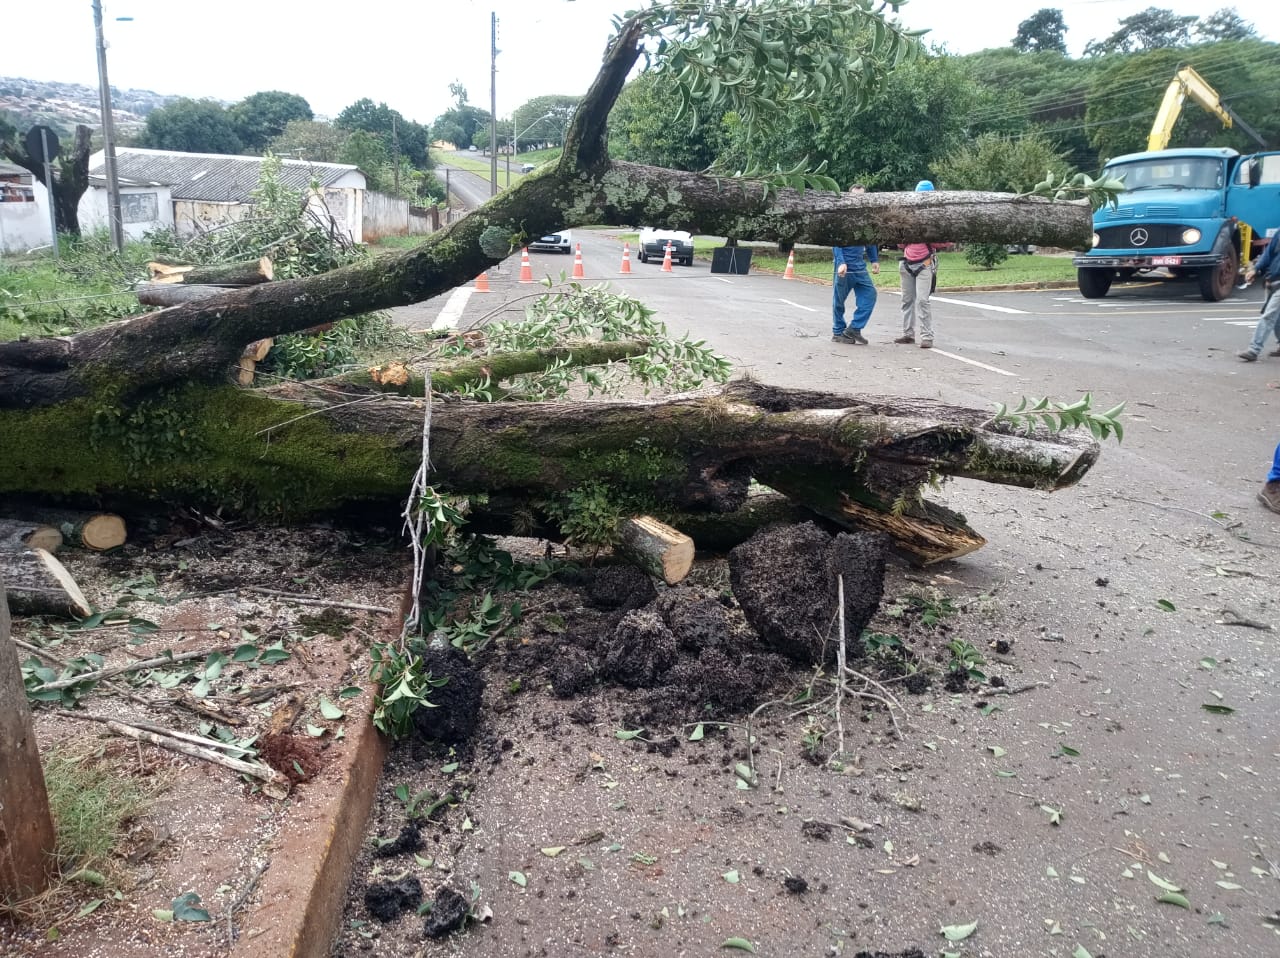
626 736
1081 952
88 876
697 733
1161 883
402 792
315 731
1174 898
732 877
185 908
1055 814
1166 605
89 907
996 751
1217 709
739 943
329 710
552 851
1068 750
958 932
350 692
162 914
244 653
518 878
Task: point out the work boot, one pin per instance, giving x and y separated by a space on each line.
1269 495
926 344
1247 356
854 336
905 339
1275 352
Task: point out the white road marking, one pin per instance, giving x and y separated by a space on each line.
996 309
798 306
723 280
961 302
1223 319
974 362
452 312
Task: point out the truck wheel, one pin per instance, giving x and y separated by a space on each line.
641 257
1216 282
1093 283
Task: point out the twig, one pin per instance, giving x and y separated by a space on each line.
240 900
62 663
131 667
885 696
1228 527
311 600
840 667
446 799
1231 617
275 784
317 412
1005 690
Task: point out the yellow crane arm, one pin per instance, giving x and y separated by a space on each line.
1185 83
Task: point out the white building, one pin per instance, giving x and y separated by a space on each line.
191 192
24 211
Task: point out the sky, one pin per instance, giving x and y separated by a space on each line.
406 55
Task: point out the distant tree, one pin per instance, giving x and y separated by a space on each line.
558 110
448 131
1044 30
1151 29
312 140
365 150
1225 24
70 171
261 116
190 126
643 128
1001 164
398 135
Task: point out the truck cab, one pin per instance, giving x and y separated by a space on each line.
1193 212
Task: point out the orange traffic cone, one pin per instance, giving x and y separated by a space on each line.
626 258
482 283
526 270
666 260
790 271
577 263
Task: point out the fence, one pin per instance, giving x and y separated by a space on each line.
390 216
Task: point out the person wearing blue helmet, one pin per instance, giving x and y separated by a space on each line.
917 270
851 274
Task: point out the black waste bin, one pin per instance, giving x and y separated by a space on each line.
731 259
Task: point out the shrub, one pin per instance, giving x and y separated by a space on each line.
985 255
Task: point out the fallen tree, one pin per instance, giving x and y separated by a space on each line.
141 409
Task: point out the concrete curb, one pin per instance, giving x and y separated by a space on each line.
301 896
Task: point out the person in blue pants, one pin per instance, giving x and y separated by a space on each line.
851 274
1269 495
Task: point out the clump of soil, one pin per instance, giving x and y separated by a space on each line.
296 758
795 884
698 619
332 622
619 587
957 680
640 650
448 912
453 720
387 901
409 840
784 577
820 831
917 683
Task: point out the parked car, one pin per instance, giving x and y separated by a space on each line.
527 167
473 148
653 243
554 242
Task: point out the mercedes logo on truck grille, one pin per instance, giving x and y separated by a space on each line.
1139 237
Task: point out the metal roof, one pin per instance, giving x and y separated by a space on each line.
212 177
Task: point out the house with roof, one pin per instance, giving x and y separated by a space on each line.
194 192
24 211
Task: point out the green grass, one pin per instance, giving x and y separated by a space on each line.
91 801
475 163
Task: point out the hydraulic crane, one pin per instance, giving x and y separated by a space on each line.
1187 83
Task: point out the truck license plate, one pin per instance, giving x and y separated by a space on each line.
1166 261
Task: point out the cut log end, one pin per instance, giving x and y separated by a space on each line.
657 548
102 532
17 534
38 584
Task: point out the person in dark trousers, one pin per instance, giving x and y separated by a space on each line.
917 270
851 274
1268 266
1269 495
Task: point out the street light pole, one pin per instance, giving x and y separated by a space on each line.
108 136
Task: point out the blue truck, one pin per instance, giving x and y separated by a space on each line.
1196 213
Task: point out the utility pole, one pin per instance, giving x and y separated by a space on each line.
395 154
493 105
108 136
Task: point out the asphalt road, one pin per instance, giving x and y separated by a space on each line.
1121 594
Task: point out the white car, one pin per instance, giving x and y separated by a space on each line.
653 243
561 242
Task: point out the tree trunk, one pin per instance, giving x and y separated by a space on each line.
19 534
26 829
71 178
286 452
164 294
96 531
38 584
249 273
